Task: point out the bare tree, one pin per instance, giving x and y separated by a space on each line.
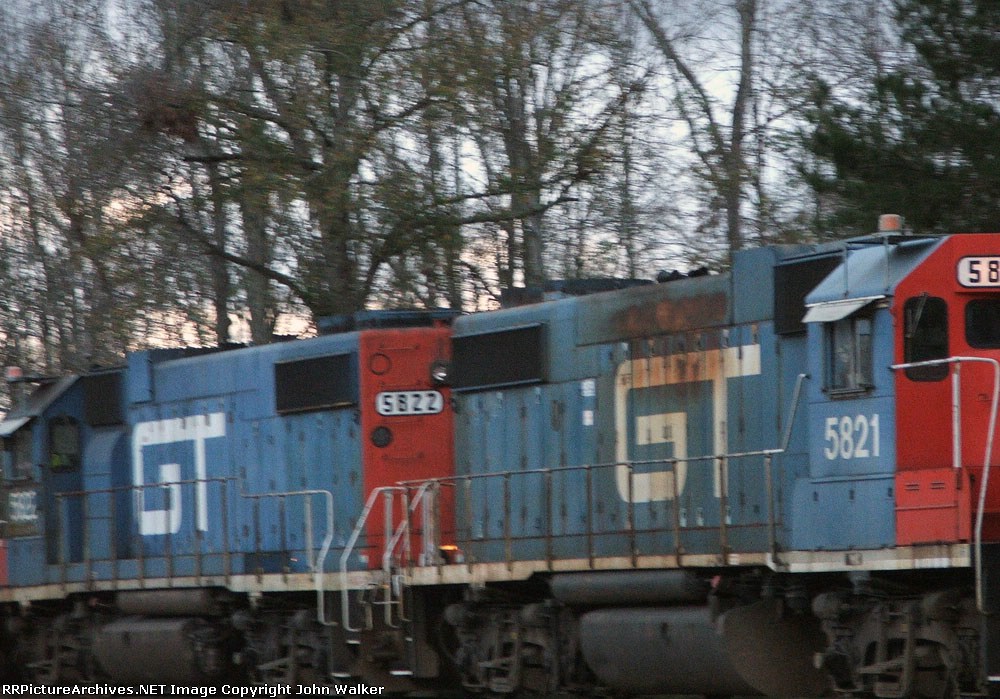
717 133
540 102
65 146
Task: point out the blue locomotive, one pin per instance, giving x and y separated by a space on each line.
770 481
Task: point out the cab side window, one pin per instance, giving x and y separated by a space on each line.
982 323
64 444
849 354
17 456
925 336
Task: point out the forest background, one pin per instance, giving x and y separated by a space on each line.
208 171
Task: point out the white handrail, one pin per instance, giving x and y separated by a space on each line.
317 564
991 433
402 533
345 605
796 394
404 526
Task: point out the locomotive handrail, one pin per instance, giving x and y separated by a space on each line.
631 530
991 433
721 461
62 497
404 525
796 395
402 532
345 603
316 564
316 560
581 467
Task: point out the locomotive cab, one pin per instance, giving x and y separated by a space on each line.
903 341
904 365
42 454
63 440
947 347
851 397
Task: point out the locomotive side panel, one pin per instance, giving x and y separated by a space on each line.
233 431
847 498
526 409
673 402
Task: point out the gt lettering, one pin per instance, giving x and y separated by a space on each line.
849 437
195 428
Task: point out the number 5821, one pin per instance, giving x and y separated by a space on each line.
849 437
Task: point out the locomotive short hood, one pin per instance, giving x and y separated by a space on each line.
870 270
35 404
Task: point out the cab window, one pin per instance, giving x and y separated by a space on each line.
17 456
925 336
982 323
64 444
849 354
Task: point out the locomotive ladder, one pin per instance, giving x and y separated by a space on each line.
396 554
390 592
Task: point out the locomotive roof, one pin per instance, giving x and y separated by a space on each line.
871 268
35 404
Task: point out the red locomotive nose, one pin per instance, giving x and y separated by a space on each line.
407 437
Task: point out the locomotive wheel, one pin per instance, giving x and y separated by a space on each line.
60 658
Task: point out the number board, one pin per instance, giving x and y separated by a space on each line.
19 512
979 271
391 403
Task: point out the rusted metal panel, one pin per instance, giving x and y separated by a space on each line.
688 304
669 316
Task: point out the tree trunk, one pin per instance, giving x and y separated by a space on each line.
218 267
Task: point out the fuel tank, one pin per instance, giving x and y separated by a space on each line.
184 650
758 648
635 587
659 650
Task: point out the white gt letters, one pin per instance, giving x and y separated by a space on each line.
197 429
717 366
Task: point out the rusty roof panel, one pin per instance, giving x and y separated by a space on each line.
687 304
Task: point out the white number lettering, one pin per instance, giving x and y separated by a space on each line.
385 403
390 403
21 506
979 272
861 428
832 438
846 437
875 440
849 437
